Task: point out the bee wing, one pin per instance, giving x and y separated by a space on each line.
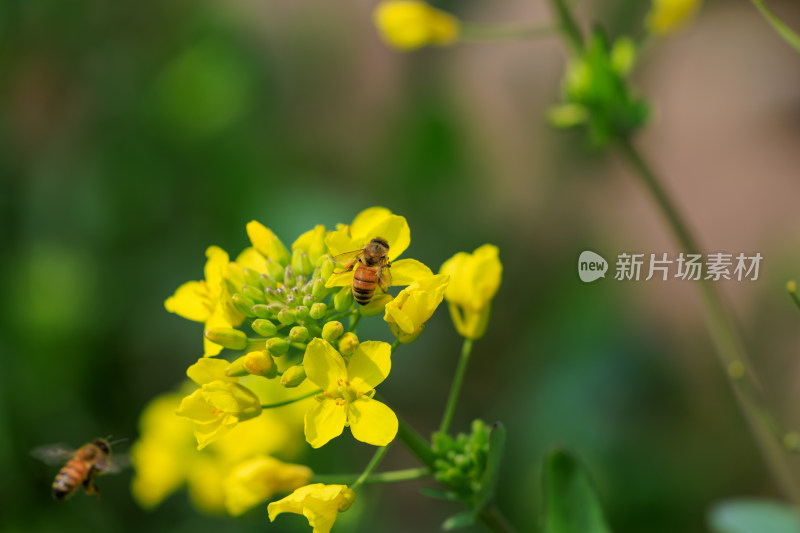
385 277
53 453
346 257
117 463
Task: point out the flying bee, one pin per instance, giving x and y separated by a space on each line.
371 265
83 464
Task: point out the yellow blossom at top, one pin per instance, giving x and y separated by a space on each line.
266 242
669 16
410 24
474 280
258 479
371 223
205 300
318 502
347 393
415 304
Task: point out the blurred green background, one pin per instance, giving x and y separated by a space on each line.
135 134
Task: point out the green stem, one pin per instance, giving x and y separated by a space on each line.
395 344
470 33
393 476
370 467
778 25
495 520
354 320
287 402
569 28
729 347
455 388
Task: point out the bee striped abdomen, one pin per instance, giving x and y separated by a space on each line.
72 475
365 279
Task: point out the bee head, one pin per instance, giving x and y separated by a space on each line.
103 445
379 243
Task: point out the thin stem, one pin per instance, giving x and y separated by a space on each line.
470 33
287 402
395 344
778 25
371 466
569 28
455 388
729 347
493 519
354 320
392 476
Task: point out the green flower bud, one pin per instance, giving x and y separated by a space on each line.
288 276
236 369
243 304
286 316
264 327
328 266
301 312
277 346
343 299
376 306
301 263
227 337
298 334
251 277
261 311
348 344
318 310
318 289
255 294
260 364
275 269
293 376
267 281
332 330
309 300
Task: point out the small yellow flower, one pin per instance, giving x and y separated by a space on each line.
415 304
410 24
266 242
258 479
669 16
216 407
312 243
474 280
348 390
319 503
204 300
371 223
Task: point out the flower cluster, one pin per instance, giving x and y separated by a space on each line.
281 351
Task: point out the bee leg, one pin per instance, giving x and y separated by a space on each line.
89 486
347 266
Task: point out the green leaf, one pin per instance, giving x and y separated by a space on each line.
458 521
571 504
497 443
753 516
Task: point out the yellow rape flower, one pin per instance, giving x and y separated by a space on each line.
318 502
218 405
347 393
258 479
206 300
266 242
669 16
410 24
415 304
371 223
474 280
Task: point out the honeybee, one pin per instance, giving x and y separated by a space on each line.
372 269
91 459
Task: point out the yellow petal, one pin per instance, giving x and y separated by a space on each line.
207 370
256 480
396 232
312 243
266 242
409 24
371 362
407 271
323 364
218 319
319 503
250 258
372 421
341 279
216 263
340 242
192 301
366 220
324 422
401 318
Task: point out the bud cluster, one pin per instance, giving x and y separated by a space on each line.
461 461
